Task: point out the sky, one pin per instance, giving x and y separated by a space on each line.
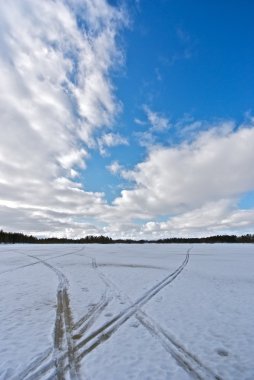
131 118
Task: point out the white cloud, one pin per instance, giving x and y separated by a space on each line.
139 122
110 140
74 157
55 93
114 167
210 219
217 165
157 121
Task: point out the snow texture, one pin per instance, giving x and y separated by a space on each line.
118 312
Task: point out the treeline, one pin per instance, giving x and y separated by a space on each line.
14 238
249 238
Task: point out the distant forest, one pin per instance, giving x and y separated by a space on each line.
13 238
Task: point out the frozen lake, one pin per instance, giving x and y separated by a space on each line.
118 312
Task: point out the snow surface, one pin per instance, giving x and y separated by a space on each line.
118 312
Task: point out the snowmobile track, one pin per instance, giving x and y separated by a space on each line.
76 352
185 359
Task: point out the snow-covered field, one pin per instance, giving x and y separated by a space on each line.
118 312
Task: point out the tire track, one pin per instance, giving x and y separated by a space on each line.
37 261
63 326
34 365
59 337
39 368
104 332
189 362
68 320
88 320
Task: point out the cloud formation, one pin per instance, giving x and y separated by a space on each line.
109 140
55 63
157 121
155 124
57 104
178 180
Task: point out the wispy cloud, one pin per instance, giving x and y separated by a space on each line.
158 122
109 140
155 123
114 167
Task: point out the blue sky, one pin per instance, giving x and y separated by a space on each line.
183 60
131 118
190 57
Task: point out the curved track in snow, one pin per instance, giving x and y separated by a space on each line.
69 345
189 362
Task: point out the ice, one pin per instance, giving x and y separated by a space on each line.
117 312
